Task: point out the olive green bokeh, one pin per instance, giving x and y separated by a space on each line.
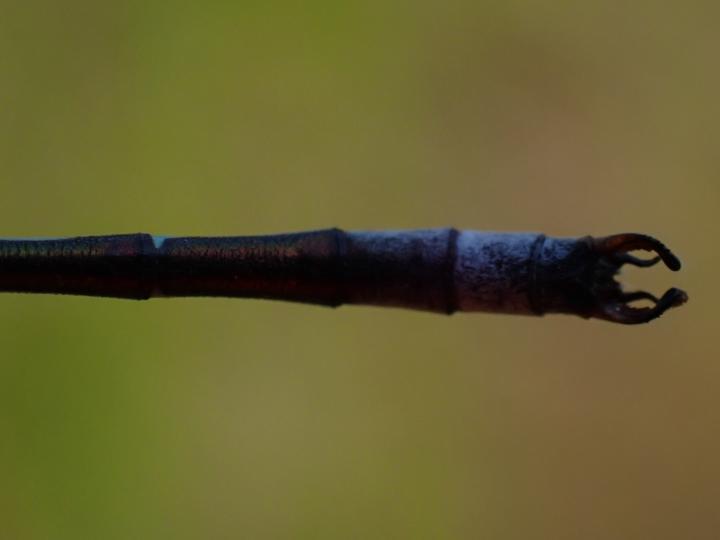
246 419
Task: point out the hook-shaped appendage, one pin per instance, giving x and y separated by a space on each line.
612 301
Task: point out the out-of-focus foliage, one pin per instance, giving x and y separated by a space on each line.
247 419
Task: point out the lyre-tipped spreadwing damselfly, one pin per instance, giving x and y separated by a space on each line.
440 270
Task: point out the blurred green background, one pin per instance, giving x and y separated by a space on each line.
248 419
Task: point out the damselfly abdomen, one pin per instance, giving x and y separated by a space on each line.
441 270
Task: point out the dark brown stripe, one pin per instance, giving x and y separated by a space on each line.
451 302
533 292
